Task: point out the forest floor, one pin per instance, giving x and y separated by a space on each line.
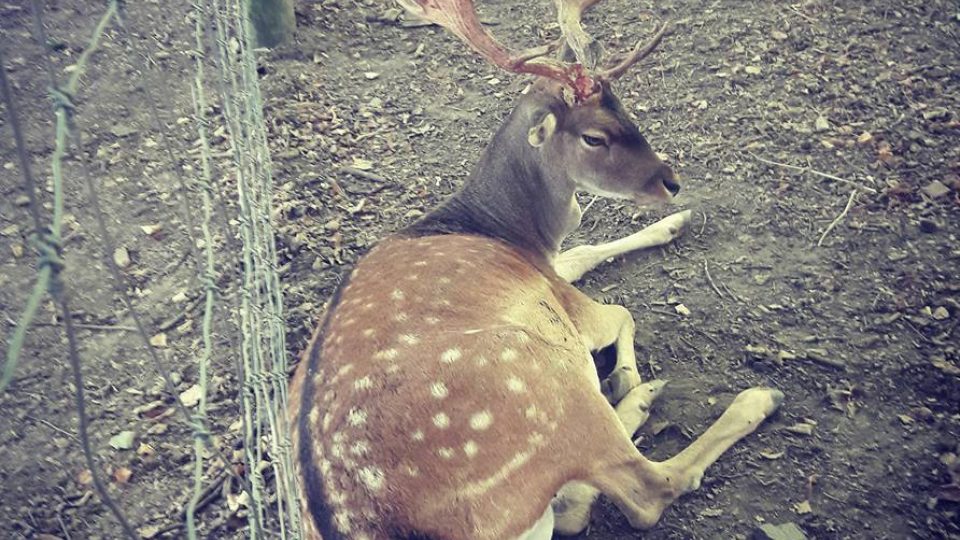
776 117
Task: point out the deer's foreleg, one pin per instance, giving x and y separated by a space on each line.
572 264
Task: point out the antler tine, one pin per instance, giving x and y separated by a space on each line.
460 17
585 48
638 53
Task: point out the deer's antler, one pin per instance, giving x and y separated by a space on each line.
460 17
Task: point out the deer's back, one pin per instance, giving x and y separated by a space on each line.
436 379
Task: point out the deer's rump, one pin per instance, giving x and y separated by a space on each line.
432 386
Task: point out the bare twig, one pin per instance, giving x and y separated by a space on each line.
103 327
815 172
835 222
360 173
706 270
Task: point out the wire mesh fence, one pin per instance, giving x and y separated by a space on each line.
221 45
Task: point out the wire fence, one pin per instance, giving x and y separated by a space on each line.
261 354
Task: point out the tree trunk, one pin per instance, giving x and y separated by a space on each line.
273 21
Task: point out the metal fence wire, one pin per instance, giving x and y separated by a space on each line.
222 27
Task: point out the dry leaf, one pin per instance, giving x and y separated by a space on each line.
121 475
802 508
85 477
159 340
191 396
121 257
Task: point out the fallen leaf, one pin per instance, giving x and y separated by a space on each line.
159 340
85 477
151 230
802 508
682 310
123 440
121 475
149 531
191 396
802 428
771 455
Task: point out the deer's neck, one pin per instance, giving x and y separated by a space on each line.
509 197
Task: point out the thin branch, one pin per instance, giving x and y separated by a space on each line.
706 270
835 222
815 172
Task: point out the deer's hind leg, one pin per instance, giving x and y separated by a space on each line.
574 501
643 489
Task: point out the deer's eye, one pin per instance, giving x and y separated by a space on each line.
593 141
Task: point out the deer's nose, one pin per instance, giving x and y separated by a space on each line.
669 179
671 184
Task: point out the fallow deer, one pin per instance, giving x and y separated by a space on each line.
450 390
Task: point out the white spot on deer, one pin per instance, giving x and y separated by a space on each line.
327 396
446 452
408 339
349 322
393 368
481 361
386 354
338 498
450 356
336 450
417 435
344 370
441 420
412 471
522 337
325 467
372 477
397 294
327 417
470 449
314 415
421 263
413 277
444 280
535 439
368 306
365 383
431 320
508 355
360 448
481 420
401 317
439 390
342 521
515 385
357 417
531 412
369 332
338 340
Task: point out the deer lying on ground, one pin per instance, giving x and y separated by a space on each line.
450 390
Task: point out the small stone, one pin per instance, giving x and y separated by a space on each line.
22 200
940 314
121 257
370 75
784 531
778 35
752 70
682 310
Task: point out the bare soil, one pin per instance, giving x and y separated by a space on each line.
859 332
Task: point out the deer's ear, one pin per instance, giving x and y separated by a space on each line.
543 130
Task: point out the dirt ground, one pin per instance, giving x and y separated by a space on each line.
772 114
